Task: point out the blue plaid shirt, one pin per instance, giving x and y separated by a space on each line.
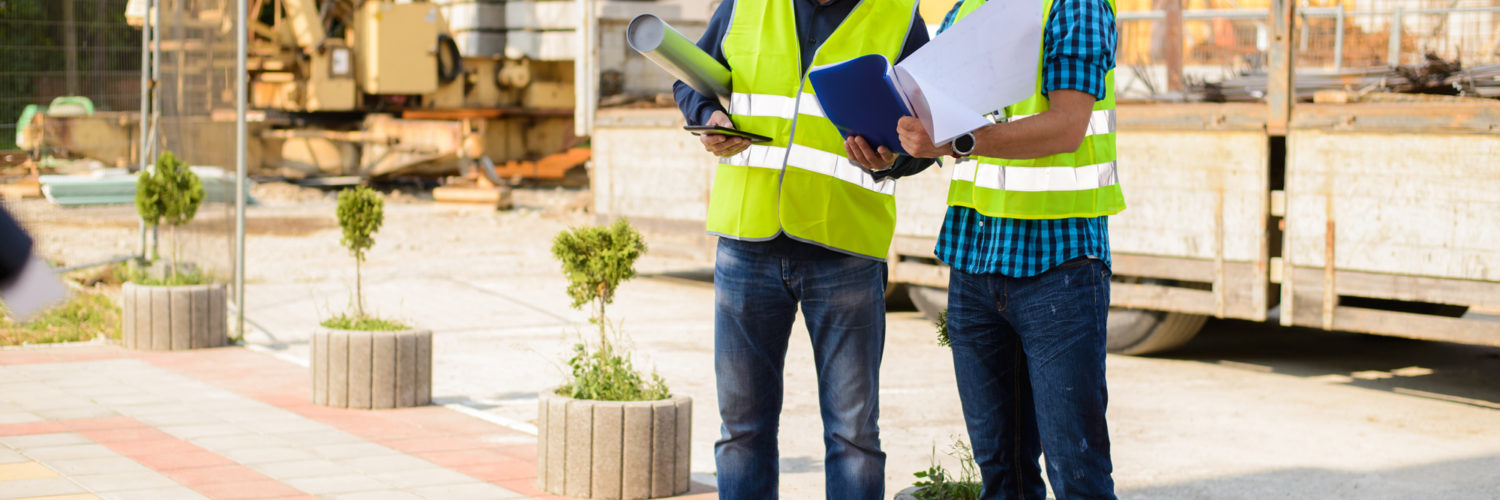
1080 48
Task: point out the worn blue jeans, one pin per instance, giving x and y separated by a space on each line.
756 299
1028 354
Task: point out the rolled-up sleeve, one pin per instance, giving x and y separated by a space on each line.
1080 44
696 107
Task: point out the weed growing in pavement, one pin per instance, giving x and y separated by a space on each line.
596 259
937 483
942 330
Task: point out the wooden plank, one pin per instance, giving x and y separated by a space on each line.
1417 118
1398 324
1175 183
1161 298
919 273
1191 117
1481 294
1412 204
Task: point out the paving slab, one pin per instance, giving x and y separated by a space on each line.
233 424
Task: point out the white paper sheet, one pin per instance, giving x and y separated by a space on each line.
980 65
33 290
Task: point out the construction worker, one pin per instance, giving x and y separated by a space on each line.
1027 242
800 223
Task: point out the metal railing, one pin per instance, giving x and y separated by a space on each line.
1478 39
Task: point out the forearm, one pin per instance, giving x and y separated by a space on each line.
1049 133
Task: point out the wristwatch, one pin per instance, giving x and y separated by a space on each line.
963 145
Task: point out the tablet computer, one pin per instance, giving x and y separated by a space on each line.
713 129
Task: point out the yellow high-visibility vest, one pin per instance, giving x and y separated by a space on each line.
1082 183
801 183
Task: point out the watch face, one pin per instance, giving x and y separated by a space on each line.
963 144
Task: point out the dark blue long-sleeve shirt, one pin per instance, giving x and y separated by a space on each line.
815 23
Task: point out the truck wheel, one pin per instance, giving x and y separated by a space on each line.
1141 331
929 300
1131 331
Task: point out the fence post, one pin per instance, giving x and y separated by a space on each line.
1281 90
1338 39
1393 51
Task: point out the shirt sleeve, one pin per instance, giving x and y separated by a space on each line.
1080 46
696 107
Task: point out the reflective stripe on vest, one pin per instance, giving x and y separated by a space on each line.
774 105
801 183
1081 183
1035 179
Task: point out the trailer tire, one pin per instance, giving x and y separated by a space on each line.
1131 331
1141 331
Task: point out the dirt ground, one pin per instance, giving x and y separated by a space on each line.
1245 411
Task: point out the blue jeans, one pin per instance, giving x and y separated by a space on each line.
756 298
1028 354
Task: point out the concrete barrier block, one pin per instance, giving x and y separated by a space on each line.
359 369
127 316
541 441
338 369
218 321
663 448
424 367
683 471
181 309
320 367
198 327
579 449
557 430
609 440
161 319
406 370
635 457
383 371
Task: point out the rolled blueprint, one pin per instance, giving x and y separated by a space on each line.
656 40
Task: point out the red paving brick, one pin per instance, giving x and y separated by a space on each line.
148 446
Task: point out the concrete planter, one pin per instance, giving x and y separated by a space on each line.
910 493
371 370
173 318
613 449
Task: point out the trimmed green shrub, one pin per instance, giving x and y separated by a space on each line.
169 193
360 213
595 260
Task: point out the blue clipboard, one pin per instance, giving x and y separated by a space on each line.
859 96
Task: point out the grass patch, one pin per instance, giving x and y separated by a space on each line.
131 272
363 323
82 318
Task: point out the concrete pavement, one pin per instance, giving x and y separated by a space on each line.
98 421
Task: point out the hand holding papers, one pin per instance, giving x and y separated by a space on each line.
976 67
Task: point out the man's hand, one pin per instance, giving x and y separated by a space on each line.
723 145
861 154
916 142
